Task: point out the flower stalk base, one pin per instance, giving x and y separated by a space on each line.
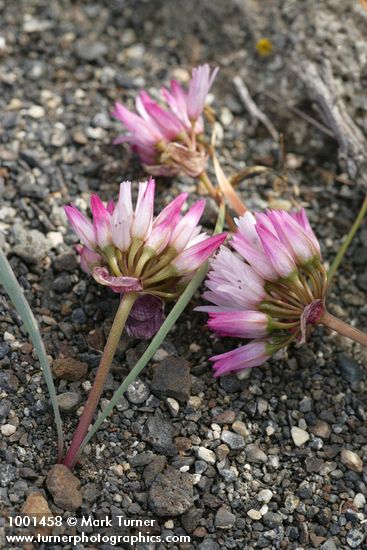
118 325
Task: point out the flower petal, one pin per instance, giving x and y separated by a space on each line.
250 355
81 226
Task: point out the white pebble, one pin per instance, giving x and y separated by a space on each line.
299 436
8 430
55 238
264 509
159 355
240 428
173 406
36 111
254 514
265 496
207 455
359 500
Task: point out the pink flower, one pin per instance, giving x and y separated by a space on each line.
129 250
244 357
166 138
269 290
199 87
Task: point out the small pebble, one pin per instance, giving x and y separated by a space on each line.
265 495
68 401
240 428
234 441
254 514
207 455
8 430
351 460
299 436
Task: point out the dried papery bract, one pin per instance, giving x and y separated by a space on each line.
146 260
270 289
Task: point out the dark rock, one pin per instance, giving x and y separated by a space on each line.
362 281
65 262
234 441
4 350
171 378
209 544
141 459
8 381
272 520
305 405
155 467
28 473
313 464
349 369
62 283
171 493
30 157
224 519
159 434
5 407
78 316
191 519
230 383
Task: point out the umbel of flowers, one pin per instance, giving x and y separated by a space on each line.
130 251
170 140
270 289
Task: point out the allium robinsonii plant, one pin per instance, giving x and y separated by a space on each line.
170 140
146 259
271 289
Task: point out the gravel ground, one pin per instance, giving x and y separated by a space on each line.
273 461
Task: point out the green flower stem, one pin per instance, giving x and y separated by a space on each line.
156 342
118 325
348 239
11 285
343 328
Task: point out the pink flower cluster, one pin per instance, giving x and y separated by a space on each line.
268 289
168 140
129 250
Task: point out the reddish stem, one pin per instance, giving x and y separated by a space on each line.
104 367
343 328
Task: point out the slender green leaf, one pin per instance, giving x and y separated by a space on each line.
157 340
347 240
12 287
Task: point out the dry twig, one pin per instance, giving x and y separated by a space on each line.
253 109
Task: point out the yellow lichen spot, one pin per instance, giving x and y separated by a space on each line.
264 47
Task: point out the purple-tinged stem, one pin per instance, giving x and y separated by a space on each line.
343 328
113 339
